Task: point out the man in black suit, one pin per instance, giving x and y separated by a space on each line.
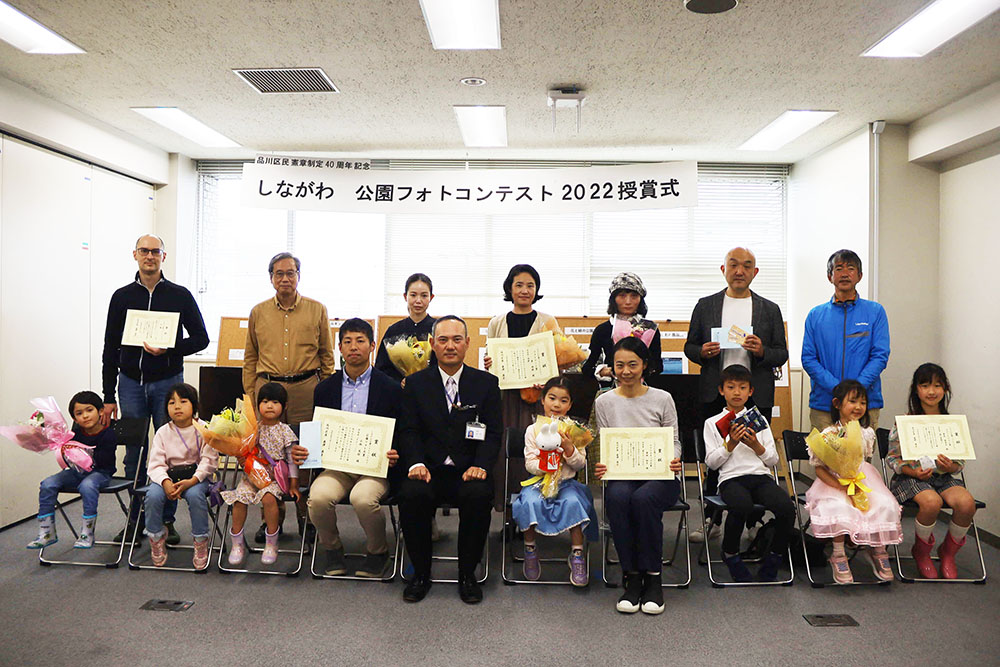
761 352
361 389
449 435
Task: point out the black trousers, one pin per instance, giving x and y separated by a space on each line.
740 494
419 500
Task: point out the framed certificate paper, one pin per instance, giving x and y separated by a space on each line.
523 362
930 435
158 328
354 443
637 453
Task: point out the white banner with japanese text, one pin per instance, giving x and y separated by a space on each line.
654 185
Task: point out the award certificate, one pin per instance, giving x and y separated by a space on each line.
523 362
930 435
354 443
637 453
155 327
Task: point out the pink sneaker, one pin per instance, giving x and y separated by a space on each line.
841 569
158 549
879 560
200 558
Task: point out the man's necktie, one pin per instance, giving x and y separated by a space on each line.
451 388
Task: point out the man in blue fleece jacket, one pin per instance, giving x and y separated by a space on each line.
846 338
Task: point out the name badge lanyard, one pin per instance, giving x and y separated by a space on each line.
197 439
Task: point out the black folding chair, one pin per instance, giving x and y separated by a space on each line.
797 450
128 432
230 474
514 445
713 505
883 448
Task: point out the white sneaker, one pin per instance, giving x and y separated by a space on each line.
697 536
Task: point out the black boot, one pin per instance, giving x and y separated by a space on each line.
628 603
652 594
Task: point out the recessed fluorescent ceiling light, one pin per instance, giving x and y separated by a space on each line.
482 127
783 129
462 24
27 34
176 120
931 27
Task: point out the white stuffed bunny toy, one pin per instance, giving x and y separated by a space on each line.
548 442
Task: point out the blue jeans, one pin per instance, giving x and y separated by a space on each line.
635 513
142 401
88 484
197 500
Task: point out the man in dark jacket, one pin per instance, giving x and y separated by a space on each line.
361 389
143 375
737 309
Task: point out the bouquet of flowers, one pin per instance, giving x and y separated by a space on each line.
568 351
625 328
233 432
842 451
45 431
579 436
408 354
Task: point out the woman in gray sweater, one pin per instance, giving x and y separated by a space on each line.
635 508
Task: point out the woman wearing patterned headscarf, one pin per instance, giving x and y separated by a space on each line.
627 309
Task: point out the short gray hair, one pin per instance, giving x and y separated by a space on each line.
280 256
446 318
163 246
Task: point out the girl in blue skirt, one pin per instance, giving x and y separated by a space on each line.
572 509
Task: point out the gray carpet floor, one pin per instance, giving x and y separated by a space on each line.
63 615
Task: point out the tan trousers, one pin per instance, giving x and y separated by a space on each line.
329 489
820 419
300 398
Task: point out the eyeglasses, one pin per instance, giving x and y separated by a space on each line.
155 252
280 275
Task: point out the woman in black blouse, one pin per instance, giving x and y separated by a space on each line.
627 309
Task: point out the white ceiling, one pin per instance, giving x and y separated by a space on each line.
662 83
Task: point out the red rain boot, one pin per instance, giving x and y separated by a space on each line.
921 552
946 552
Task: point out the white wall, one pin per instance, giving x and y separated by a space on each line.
970 236
828 209
66 234
908 264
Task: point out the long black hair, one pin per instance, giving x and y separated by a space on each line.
925 374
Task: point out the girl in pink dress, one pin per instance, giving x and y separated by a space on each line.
831 511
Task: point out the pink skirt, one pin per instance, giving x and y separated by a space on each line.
832 513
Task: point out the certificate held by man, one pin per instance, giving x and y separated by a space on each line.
637 453
153 327
353 443
523 362
930 435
